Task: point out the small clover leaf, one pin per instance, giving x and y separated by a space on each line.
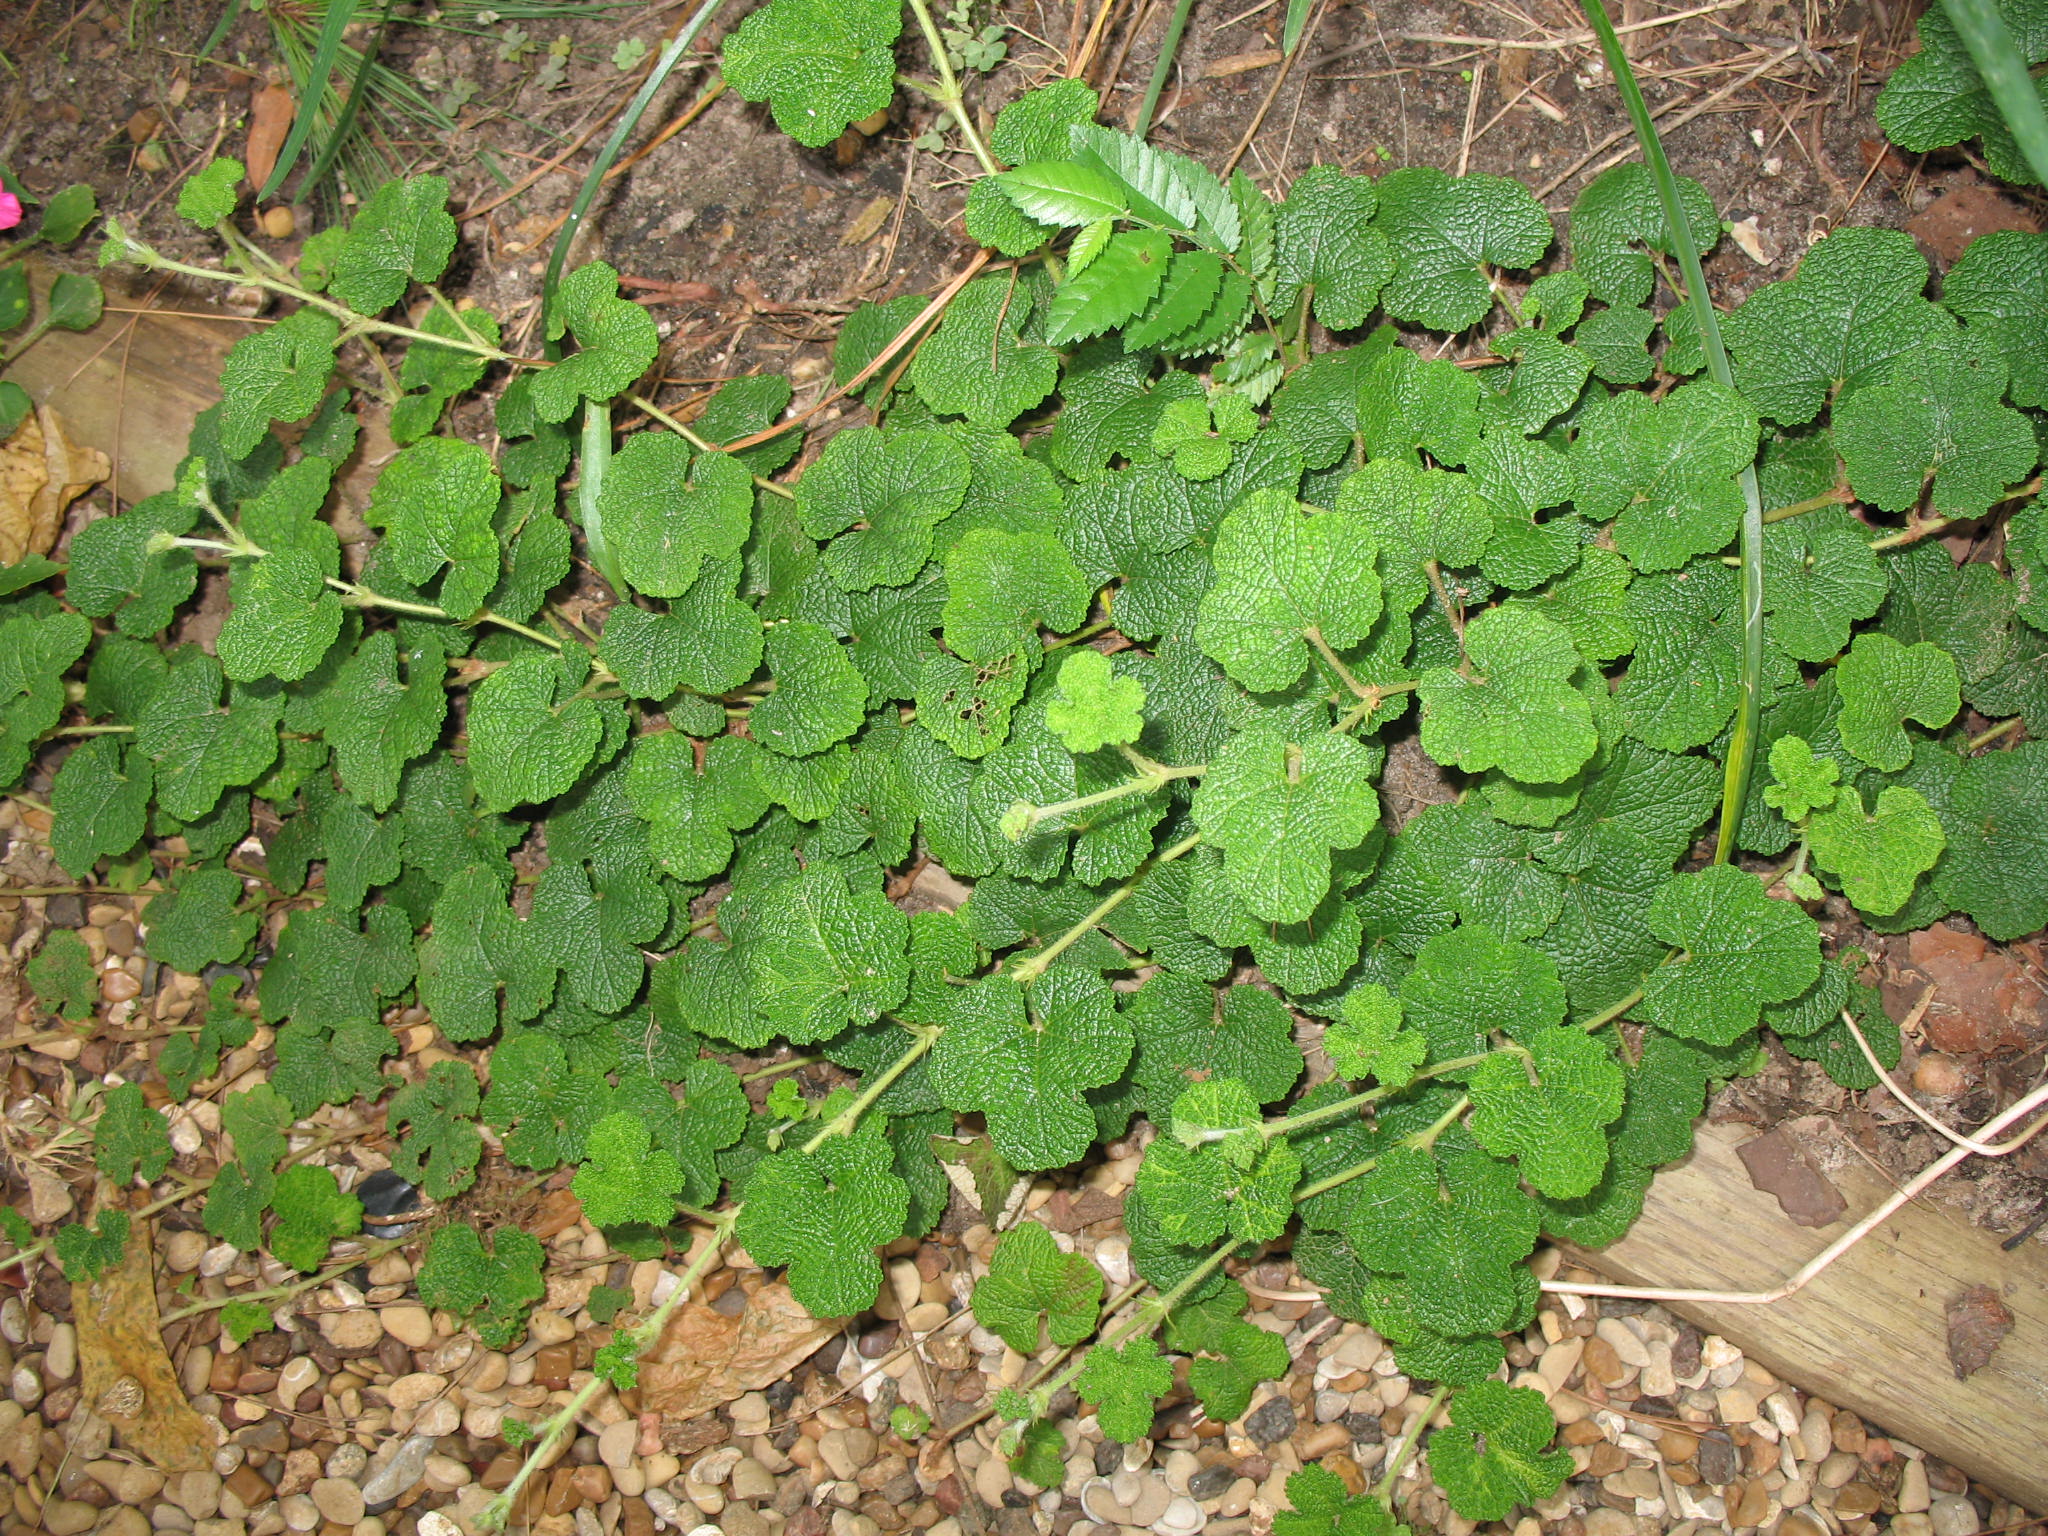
1125 1384
1512 705
312 1211
615 340
1030 1279
1802 783
199 922
1664 471
1742 950
1092 707
1324 243
1883 684
1278 808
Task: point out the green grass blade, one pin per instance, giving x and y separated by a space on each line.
1169 48
312 90
1742 744
2004 71
229 15
1297 18
657 77
595 459
345 120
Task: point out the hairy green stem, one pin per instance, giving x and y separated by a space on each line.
1832 498
844 1123
1026 971
1422 1140
1383 1490
1997 732
1289 1124
1375 696
1024 816
1741 760
291 1288
563 1421
773 486
949 94
1360 691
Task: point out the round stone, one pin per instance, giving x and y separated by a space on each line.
338 1500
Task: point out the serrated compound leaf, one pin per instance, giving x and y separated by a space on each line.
208 195
1278 808
1554 1126
819 697
1444 231
1324 240
823 958
530 738
1852 307
497 1284
1513 705
1878 855
1996 818
819 64
1664 471
624 1177
824 1213
1030 1279
1742 951
403 234
1024 1060
1116 287
276 374
1002 586
975 366
1883 684
1492 1457
1801 783
615 341
1125 1384
667 512
199 922
200 747
896 487
435 501
1619 219
1282 571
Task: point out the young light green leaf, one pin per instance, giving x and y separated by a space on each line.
819 64
624 1177
1878 856
1513 705
1030 1279
1283 571
1092 707
1884 684
1124 1384
208 196
1801 783
1278 808
1369 1038
1741 951
1444 232
823 1214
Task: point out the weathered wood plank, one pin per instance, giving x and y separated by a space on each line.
1870 1333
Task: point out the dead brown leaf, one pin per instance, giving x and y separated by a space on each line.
705 1358
1779 1166
869 221
129 1379
270 123
1978 1322
41 473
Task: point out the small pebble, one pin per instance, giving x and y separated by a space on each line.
338 1500
411 1326
1953 1515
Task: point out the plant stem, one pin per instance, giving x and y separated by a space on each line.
695 441
1422 1140
948 93
1360 691
291 1288
1834 498
794 1064
1452 611
93 730
1028 970
1608 1015
1291 1123
1383 1490
1152 777
1169 47
1376 695
563 1420
843 1123
1149 1317
2003 729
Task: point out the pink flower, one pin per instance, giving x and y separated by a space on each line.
10 210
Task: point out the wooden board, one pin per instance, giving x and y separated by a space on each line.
1870 1334
171 365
